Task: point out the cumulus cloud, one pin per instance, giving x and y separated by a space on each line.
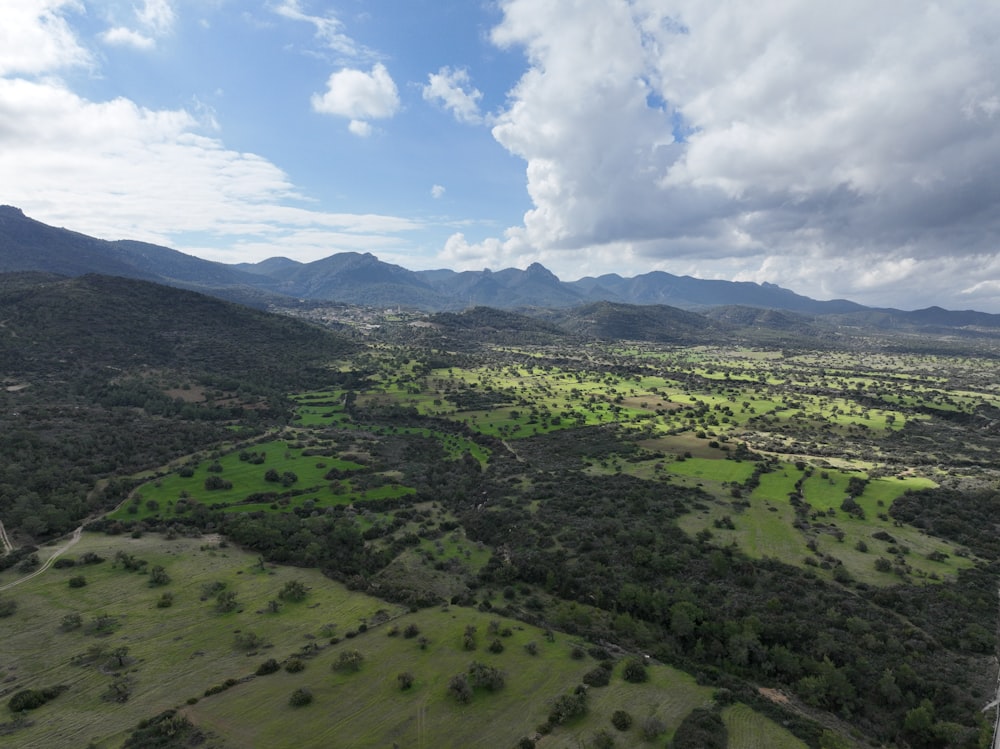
150 174
35 38
453 90
359 96
115 169
840 147
437 191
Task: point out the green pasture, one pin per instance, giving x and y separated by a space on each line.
763 527
751 730
173 653
246 477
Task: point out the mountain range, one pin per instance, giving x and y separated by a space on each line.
362 279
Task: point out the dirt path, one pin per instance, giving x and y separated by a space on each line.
48 562
8 547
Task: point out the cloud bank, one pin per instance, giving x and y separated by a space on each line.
837 148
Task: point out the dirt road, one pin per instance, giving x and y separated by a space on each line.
59 551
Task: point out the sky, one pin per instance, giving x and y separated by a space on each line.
844 149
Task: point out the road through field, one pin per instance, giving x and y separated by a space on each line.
48 562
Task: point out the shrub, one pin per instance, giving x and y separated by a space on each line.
597 677
294 665
349 661
567 706
29 699
63 563
621 720
701 729
481 675
634 671
405 680
411 631
459 688
300 697
77 581
496 647
269 666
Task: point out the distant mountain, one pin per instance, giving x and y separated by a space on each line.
363 279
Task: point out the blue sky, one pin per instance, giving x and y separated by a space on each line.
840 150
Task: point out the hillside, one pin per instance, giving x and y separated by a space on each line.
104 376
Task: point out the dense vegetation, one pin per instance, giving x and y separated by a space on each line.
807 531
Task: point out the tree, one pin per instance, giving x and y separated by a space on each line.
119 656
349 661
459 688
158 576
405 680
293 590
225 602
634 671
621 720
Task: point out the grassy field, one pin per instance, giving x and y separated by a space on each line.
174 654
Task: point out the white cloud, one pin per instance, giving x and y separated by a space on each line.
437 191
360 128
843 147
359 96
453 90
150 175
329 29
35 37
155 18
124 37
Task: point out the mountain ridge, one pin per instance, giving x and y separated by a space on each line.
28 245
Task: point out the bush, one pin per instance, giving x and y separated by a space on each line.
29 699
349 661
621 720
634 671
405 680
300 697
411 631
485 676
566 707
701 729
294 665
459 688
269 666
77 581
597 677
